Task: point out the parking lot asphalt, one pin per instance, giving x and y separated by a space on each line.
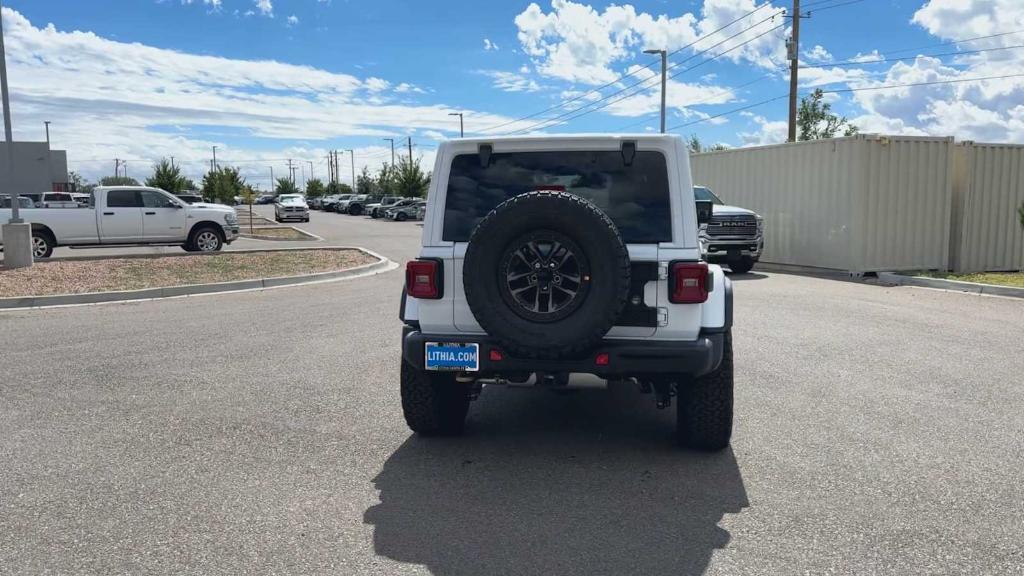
878 430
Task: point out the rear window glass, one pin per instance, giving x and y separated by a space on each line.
635 197
123 199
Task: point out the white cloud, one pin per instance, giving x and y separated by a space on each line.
488 45
405 87
293 20
142 103
265 7
577 43
434 135
511 81
818 54
680 96
769 132
214 4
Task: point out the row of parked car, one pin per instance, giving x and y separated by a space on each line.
390 207
47 200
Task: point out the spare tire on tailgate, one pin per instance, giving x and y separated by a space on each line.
546 274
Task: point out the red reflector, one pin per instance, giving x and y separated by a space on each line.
688 283
602 359
423 279
496 355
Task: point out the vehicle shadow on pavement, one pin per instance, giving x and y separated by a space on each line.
745 276
588 483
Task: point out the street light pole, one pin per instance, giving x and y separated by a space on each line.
392 140
462 131
353 154
664 79
214 157
15 213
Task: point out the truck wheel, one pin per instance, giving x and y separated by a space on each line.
433 403
704 406
207 239
42 244
546 274
742 266
401 217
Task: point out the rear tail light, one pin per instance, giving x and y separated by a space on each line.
423 279
688 283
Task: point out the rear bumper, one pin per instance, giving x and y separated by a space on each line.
627 358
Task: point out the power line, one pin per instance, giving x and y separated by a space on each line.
558 119
835 5
859 89
740 87
597 90
880 60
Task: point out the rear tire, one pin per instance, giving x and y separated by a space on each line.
704 407
401 217
434 404
42 245
356 210
742 266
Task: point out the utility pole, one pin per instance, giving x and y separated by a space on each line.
214 157
664 79
273 183
310 169
392 140
793 49
462 131
117 167
353 154
410 149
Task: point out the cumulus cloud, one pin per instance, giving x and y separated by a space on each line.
768 132
265 7
818 54
575 42
143 103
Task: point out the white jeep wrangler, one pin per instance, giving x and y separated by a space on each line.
552 260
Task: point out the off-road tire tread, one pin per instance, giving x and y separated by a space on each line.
433 404
585 341
704 407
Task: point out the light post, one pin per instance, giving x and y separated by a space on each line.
664 72
352 153
17 234
462 132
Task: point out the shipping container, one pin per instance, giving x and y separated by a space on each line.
988 190
863 203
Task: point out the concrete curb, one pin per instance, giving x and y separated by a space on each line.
381 265
951 285
309 236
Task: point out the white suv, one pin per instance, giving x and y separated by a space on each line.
550 261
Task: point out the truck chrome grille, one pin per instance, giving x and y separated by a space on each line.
743 225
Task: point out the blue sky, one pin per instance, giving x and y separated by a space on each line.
268 80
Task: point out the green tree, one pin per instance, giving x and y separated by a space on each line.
79 184
365 183
167 176
315 188
118 181
285 186
338 188
409 180
223 184
815 119
696 146
385 185
1020 212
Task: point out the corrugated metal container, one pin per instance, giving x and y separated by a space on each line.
988 189
862 204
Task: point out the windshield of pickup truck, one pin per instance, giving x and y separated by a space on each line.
635 197
701 193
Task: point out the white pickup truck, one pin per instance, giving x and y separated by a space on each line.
130 215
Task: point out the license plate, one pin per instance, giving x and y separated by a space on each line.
452 356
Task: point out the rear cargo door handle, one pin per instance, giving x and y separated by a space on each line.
108 213
150 213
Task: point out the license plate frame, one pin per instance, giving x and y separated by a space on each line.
451 356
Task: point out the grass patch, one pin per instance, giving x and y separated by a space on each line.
1015 279
81 276
282 232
